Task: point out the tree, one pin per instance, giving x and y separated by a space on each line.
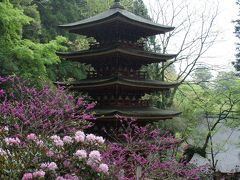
19 56
193 35
237 33
208 108
202 75
32 30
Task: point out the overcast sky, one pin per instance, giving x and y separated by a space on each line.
221 54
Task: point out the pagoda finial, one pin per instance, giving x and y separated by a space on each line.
117 4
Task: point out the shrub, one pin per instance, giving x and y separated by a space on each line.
70 157
24 107
146 153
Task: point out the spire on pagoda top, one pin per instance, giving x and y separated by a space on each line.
117 4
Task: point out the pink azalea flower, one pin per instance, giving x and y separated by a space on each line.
71 177
91 138
59 142
50 154
27 176
92 163
81 154
39 174
55 137
12 141
100 140
49 166
60 178
67 139
79 136
103 168
80 133
39 142
52 166
95 155
32 137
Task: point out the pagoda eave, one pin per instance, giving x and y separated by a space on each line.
91 56
111 18
138 113
96 84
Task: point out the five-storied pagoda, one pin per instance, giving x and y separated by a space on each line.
117 83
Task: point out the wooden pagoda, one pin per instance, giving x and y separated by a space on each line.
117 83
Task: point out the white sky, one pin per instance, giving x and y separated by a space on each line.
224 48
222 53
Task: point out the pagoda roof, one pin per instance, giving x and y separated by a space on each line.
95 55
140 113
116 14
113 81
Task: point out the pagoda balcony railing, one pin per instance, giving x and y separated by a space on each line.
131 74
122 43
123 102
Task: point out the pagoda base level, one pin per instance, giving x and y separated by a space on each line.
143 114
109 119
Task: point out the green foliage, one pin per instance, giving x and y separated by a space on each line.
21 56
202 75
66 70
11 24
33 57
201 106
33 29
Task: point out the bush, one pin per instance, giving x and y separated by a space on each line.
51 157
26 108
142 152
61 150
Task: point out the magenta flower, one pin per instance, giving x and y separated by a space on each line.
2 92
43 109
66 163
80 101
90 106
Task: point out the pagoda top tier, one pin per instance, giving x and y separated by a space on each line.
119 21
